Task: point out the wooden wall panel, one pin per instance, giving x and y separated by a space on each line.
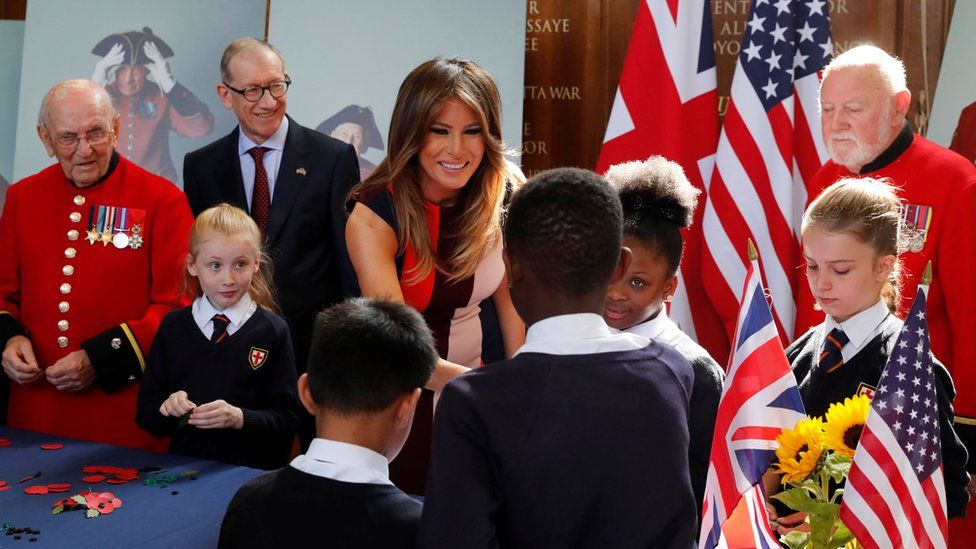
591 54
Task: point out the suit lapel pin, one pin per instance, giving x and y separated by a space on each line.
301 171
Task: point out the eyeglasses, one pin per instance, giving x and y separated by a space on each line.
70 141
254 94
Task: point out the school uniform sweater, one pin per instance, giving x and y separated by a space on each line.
705 394
820 389
291 508
253 369
573 450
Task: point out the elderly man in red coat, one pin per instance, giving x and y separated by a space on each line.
93 249
863 103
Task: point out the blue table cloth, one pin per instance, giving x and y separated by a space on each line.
149 516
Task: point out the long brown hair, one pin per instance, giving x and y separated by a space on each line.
231 221
421 97
869 210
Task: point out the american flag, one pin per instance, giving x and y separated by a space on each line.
769 149
667 86
760 399
895 492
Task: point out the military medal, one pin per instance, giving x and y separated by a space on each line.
120 239
107 227
916 220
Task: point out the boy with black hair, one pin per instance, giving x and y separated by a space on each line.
368 360
581 439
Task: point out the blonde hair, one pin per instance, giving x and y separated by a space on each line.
231 221
245 45
868 209
421 97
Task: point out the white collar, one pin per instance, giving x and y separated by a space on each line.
652 328
862 327
276 141
580 333
343 461
203 311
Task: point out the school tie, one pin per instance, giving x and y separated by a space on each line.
261 198
831 357
220 323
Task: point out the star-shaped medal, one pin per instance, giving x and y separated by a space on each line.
106 238
135 241
93 236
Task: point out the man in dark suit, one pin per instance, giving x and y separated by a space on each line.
292 180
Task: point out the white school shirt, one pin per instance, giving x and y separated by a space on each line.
343 461
578 334
238 313
861 328
271 159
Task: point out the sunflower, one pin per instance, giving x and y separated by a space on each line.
845 423
799 450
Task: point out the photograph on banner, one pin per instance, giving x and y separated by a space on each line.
953 122
11 46
158 61
347 59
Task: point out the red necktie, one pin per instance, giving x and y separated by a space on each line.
261 198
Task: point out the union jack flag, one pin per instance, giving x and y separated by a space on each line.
760 399
667 86
895 492
768 152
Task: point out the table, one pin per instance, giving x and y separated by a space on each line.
149 516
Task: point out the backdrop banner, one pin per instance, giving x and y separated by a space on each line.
11 47
953 122
159 60
347 59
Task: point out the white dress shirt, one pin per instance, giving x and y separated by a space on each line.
238 313
861 328
343 461
653 328
271 159
577 334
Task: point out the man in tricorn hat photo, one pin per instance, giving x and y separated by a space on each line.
355 125
148 110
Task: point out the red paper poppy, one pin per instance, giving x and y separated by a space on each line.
117 481
4 442
56 488
5 487
36 490
93 478
52 446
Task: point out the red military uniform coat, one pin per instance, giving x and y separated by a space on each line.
67 293
147 118
926 174
964 138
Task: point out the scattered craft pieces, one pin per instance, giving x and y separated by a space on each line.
30 478
4 442
4 485
94 503
52 446
115 475
58 488
93 478
36 490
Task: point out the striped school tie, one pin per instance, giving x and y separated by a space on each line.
220 323
831 357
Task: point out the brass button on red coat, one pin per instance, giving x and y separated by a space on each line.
79 200
62 342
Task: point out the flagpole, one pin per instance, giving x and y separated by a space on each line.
927 275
